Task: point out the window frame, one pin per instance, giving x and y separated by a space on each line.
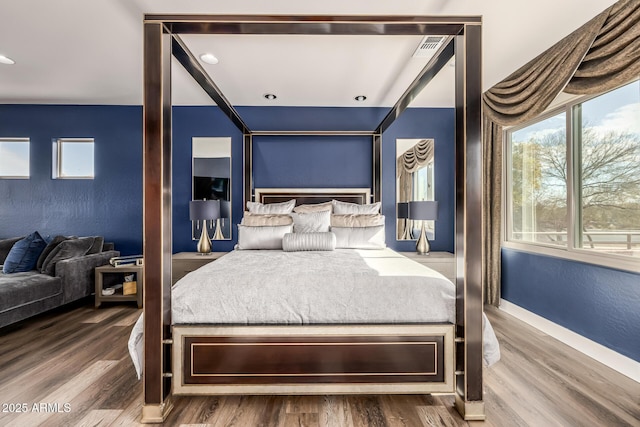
56 169
19 139
571 251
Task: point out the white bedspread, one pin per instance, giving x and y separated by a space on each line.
341 286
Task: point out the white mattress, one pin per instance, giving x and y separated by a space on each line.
341 286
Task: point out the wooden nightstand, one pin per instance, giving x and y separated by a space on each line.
186 262
442 262
110 276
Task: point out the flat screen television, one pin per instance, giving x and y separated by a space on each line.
210 188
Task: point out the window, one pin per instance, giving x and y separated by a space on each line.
607 146
538 182
573 179
14 157
423 183
73 158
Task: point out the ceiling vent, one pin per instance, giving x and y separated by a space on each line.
428 46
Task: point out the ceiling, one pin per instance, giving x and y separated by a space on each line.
90 52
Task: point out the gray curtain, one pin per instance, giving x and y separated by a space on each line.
410 161
602 54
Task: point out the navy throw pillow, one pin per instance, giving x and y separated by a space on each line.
24 254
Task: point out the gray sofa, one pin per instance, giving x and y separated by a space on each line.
26 294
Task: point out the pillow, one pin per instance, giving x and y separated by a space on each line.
344 208
96 248
24 254
308 242
262 237
271 208
70 248
360 238
316 207
262 220
311 222
47 250
5 247
355 220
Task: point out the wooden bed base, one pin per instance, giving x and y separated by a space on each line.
326 359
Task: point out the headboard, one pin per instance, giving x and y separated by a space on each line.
304 196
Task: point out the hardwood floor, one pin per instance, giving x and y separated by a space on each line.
71 368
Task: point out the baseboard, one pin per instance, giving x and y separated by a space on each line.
602 354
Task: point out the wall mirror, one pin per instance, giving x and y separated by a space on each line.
211 180
414 182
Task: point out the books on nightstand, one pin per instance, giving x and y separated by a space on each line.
126 260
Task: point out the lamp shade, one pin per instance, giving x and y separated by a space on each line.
403 210
225 209
204 209
423 210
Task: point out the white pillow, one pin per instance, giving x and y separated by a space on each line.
308 242
319 222
271 208
359 238
344 208
262 237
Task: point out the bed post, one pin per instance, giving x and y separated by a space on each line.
468 157
157 221
247 168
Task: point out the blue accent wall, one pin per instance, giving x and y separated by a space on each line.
109 205
599 303
189 122
312 161
439 124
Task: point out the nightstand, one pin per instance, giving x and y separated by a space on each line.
186 262
442 262
108 276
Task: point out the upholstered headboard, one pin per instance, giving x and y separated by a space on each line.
313 195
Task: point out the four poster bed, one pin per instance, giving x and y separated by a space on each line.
322 354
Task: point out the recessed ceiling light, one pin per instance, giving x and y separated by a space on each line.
360 98
209 58
6 60
270 96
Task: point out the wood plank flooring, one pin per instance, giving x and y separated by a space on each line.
70 367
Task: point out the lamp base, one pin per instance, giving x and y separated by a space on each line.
422 245
218 234
204 244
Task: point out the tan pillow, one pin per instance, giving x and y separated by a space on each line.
357 220
265 220
271 208
316 207
343 208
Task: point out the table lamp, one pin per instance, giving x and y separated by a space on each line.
204 210
403 213
423 211
225 212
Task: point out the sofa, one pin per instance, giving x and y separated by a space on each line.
67 276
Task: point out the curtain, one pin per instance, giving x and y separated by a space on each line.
408 162
602 54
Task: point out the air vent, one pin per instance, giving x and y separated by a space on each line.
428 46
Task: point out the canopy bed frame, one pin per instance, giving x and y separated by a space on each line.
460 364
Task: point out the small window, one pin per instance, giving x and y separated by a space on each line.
14 158
73 159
